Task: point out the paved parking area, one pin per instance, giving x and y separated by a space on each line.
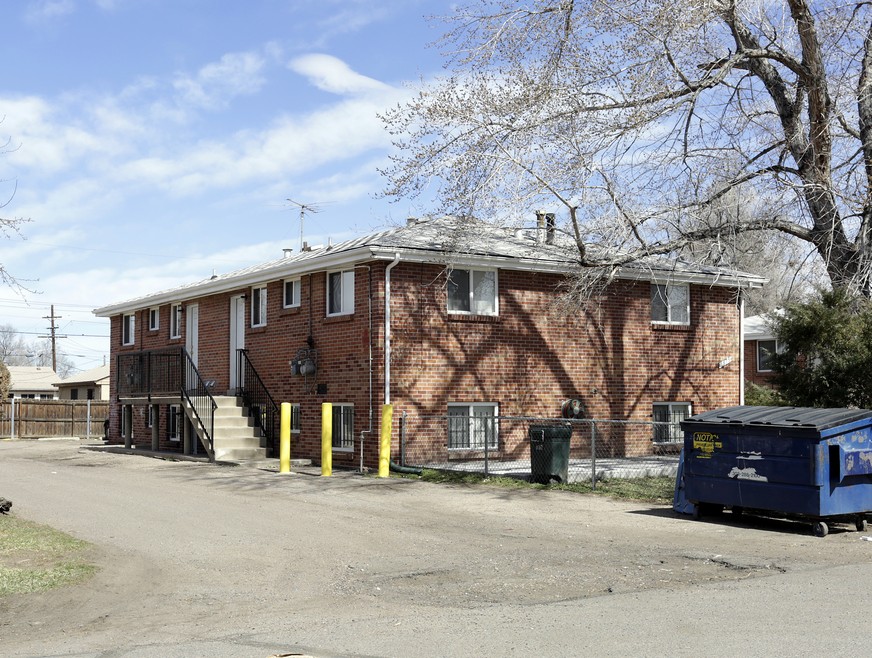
199 559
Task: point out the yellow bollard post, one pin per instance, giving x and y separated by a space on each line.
384 447
326 439
285 439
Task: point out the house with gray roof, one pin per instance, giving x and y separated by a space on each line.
90 384
456 323
33 382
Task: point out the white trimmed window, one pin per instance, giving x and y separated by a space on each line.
766 349
258 306
473 292
472 426
176 321
174 422
670 304
291 293
149 416
153 319
128 329
340 292
667 418
343 426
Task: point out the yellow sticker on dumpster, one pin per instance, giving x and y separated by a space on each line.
706 443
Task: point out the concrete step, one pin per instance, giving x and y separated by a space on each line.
239 454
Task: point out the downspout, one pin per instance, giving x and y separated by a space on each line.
369 430
388 269
412 470
741 347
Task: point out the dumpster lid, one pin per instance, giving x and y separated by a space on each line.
805 417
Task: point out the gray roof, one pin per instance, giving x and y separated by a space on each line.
444 240
32 379
97 375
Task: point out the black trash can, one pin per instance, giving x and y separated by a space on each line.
549 453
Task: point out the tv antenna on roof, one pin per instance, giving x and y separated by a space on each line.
304 208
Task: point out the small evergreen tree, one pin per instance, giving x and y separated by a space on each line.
828 352
5 381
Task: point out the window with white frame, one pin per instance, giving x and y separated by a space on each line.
291 293
153 319
766 349
473 292
472 426
258 306
670 304
176 321
174 421
667 421
340 292
128 329
149 416
343 426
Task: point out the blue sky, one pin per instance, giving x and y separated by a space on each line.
152 142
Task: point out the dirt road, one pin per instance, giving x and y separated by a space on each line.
203 560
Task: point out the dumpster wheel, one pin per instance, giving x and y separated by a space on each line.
820 529
861 524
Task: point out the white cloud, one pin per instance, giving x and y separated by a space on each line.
235 74
331 74
46 10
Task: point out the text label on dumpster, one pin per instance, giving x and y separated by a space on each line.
706 443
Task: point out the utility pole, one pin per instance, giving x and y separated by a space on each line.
53 336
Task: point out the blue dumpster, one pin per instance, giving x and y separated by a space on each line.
812 464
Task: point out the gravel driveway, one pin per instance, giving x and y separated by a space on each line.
205 560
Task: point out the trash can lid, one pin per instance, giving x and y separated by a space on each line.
805 417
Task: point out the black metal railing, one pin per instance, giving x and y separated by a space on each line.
261 406
147 373
169 372
200 402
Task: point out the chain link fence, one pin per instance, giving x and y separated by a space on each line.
545 450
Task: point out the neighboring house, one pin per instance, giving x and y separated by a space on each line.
453 323
760 345
33 382
89 385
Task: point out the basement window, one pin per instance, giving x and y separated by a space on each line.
472 426
174 421
343 426
667 421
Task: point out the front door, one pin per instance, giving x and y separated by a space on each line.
237 340
192 335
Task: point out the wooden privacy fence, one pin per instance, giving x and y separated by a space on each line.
49 418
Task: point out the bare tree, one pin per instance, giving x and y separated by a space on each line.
636 119
16 350
10 226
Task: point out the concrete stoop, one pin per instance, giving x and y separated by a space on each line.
235 438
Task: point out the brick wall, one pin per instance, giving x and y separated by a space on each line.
751 373
527 360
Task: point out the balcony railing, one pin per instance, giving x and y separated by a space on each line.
169 373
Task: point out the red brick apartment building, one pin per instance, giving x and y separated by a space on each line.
439 318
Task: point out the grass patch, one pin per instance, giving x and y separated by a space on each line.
35 558
646 489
